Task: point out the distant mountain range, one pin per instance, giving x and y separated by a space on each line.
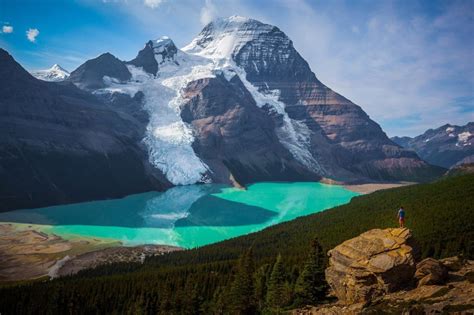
446 146
54 74
237 105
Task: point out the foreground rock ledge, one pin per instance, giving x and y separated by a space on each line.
371 265
456 296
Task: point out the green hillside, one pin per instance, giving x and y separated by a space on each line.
203 281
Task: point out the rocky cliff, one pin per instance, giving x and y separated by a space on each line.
371 265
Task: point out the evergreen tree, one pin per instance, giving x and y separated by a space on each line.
261 279
242 291
276 291
217 305
190 301
311 286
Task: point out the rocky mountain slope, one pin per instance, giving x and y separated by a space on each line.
59 144
94 73
240 103
445 146
54 74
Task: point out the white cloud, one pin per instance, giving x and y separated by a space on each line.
208 12
7 29
153 3
31 34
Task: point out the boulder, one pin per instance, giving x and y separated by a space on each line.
430 271
453 263
372 264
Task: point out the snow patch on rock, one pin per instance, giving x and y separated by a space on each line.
464 137
293 135
449 129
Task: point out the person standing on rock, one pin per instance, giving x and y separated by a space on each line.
401 217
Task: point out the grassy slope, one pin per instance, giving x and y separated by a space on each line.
439 214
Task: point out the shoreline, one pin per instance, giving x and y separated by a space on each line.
29 252
372 187
366 188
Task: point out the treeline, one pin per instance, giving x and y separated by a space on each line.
264 272
220 288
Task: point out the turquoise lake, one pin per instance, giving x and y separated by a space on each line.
186 216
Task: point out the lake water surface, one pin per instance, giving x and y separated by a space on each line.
186 216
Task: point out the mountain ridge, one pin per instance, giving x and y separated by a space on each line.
445 146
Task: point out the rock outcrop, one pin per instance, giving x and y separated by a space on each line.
375 263
430 271
375 273
154 54
456 296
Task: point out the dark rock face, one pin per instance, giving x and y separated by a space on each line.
146 59
401 141
90 74
163 50
444 146
59 144
234 136
132 106
430 271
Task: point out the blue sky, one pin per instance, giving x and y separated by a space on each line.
408 64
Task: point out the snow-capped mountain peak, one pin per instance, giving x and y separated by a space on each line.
55 73
224 37
57 67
